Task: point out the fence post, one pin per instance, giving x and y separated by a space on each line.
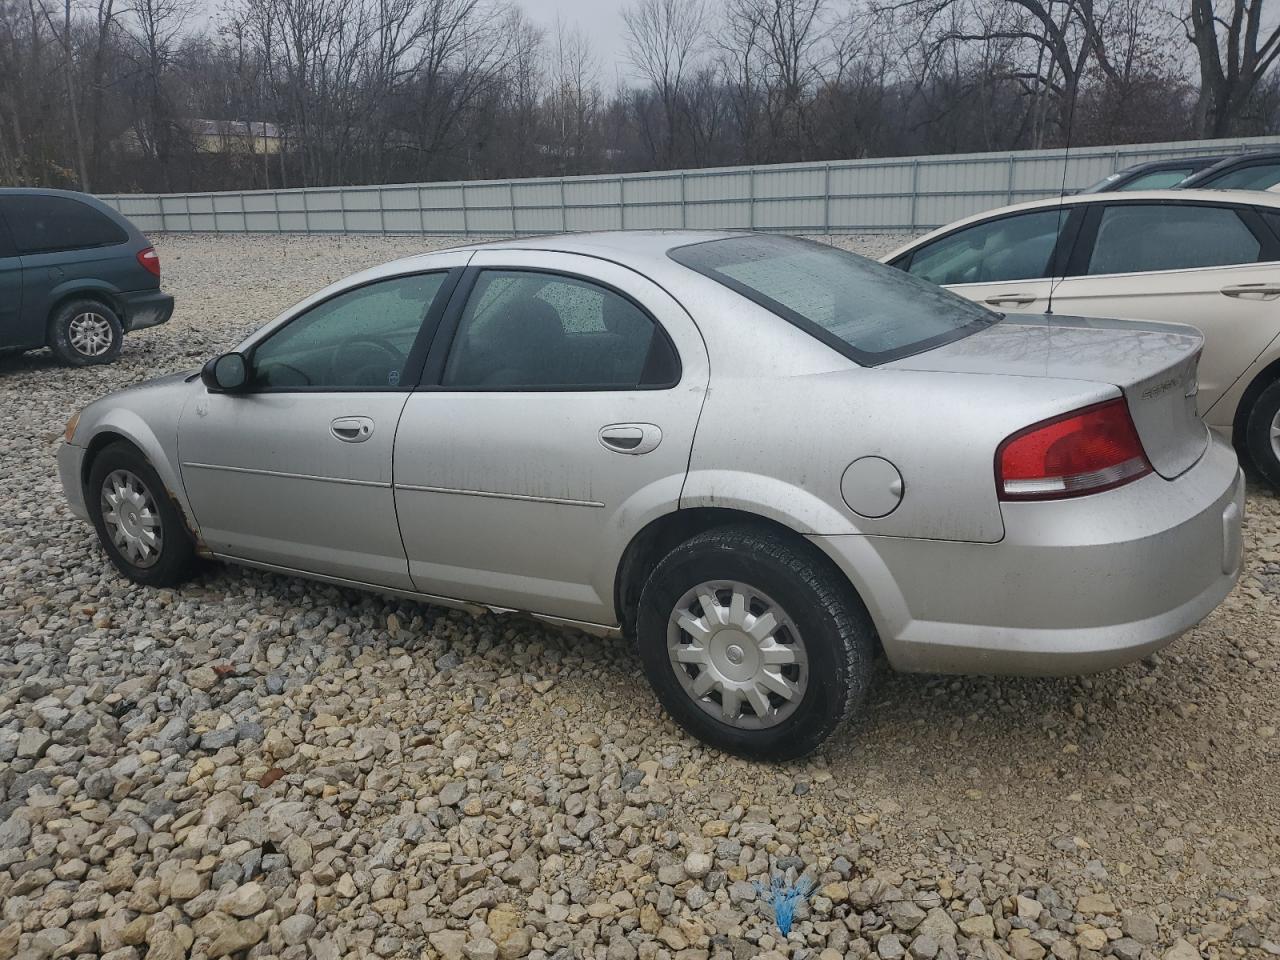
751 199
382 213
275 202
564 210
466 223
306 212
826 199
684 207
511 199
422 214
187 198
622 205
1009 200
915 190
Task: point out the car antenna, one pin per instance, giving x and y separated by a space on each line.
1062 194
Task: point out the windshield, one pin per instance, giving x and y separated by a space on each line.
870 312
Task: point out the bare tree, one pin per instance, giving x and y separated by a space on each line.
573 105
1235 52
664 39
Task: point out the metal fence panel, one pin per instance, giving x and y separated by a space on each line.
839 196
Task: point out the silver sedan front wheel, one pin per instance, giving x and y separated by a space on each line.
737 654
132 518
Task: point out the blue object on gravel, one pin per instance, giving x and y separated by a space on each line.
783 898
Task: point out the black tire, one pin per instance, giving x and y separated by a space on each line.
838 636
1257 434
80 353
177 559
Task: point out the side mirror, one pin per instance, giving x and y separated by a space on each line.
228 373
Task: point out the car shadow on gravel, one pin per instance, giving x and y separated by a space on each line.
977 718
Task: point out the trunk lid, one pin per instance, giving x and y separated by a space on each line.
1153 364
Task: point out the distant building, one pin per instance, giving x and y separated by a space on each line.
235 136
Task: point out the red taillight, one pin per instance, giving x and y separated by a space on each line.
1086 451
150 260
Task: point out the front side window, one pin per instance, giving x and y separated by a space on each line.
867 311
1017 247
1260 176
48 224
524 329
1141 237
360 339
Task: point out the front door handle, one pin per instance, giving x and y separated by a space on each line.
632 438
352 429
1010 299
1252 291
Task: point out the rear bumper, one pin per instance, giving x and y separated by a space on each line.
146 308
1076 586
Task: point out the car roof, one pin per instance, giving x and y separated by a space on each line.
1204 159
42 192
1235 160
643 243
1256 198
628 247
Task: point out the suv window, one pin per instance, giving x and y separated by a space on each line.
47 224
522 329
1017 247
1158 179
358 340
1259 176
1139 237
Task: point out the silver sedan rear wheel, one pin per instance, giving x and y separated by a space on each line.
737 654
132 518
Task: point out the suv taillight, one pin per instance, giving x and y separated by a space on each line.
1085 451
150 260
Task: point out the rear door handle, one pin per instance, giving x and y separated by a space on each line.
632 438
352 429
1252 291
1016 299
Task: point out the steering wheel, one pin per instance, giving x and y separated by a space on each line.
384 359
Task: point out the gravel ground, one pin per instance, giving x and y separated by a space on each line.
256 763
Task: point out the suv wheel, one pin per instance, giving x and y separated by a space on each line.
1262 434
753 643
85 332
138 525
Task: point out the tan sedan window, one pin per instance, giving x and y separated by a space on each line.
1136 238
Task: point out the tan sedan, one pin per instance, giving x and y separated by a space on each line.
1210 258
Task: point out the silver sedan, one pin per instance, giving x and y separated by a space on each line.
763 458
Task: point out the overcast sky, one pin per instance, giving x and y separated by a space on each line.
600 20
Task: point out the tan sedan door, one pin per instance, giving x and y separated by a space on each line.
1213 266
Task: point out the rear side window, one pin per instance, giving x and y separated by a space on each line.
48 224
867 311
1009 248
6 244
1136 238
543 331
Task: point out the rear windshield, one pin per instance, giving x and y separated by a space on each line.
870 312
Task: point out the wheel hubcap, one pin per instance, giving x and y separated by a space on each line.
132 520
1275 435
737 654
90 334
